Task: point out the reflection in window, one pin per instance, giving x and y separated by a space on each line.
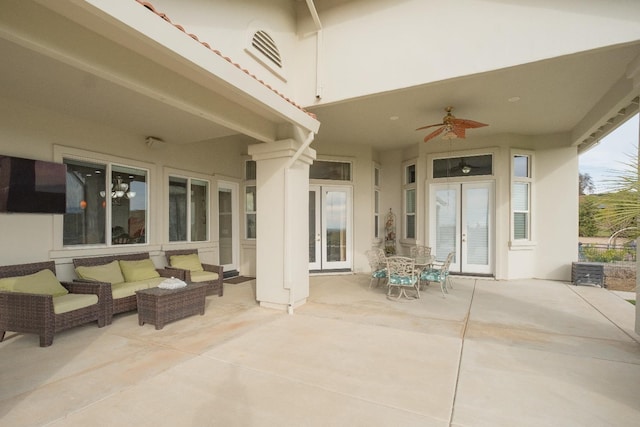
101 194
188 209
463 166
336 171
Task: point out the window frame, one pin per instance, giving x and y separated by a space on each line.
409 186
528 242
60 153
189 177
247 184
377 182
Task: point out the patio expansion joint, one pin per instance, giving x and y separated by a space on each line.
458 369
631 336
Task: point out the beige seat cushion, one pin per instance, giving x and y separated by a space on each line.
127 289
43 282
189 262
134 271
108 273
71 302
203 276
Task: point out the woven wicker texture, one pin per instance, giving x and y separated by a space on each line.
121 305
34 314
215 286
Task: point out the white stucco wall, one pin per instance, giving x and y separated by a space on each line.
375 46
30 132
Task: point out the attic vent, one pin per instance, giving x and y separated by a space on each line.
265 44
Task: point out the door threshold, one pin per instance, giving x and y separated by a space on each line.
329 272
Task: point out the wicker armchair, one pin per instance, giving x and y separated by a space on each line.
129 303
215 285
35 314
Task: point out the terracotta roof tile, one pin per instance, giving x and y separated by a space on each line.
149 6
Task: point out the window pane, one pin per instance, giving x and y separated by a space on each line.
337 171
128 205
520 225
376 201
410 206
199 210
85 220
410 177
250 170
521 166
411 227
251 226
177 209
463 166
250 209
520 197
376 177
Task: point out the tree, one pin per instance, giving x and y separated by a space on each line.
588 225
622 202
586 185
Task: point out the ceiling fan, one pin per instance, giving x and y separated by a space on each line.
451 126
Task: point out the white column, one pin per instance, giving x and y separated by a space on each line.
282 238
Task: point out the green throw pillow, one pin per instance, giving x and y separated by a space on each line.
189 262
134 271
6 284
108 273
42 282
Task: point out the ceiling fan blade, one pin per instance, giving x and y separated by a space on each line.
460 131
434 134
430 126
469 124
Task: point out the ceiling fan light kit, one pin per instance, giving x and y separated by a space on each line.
451 127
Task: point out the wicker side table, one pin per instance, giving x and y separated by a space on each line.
161 306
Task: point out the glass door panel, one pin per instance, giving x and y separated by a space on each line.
228 233
315 251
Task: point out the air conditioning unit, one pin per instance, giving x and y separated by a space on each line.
587 273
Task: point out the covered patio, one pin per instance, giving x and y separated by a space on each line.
492 353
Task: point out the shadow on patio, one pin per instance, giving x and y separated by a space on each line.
526 353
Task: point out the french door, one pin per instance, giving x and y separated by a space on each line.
228 229
330 228
462 216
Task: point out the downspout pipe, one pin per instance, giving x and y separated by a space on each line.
318 25
288 282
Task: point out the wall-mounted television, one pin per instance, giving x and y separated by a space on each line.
32 186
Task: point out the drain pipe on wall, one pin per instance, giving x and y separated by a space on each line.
318 24
287 247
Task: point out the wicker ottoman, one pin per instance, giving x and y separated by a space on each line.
161 306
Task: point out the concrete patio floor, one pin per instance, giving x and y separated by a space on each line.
493 353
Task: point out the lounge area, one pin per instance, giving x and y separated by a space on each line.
492 353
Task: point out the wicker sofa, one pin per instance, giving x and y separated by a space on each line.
123 275
187 264
52 307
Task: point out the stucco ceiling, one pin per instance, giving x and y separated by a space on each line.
554 96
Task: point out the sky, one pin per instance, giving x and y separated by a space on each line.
610 155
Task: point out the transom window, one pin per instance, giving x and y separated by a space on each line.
331 170
463 166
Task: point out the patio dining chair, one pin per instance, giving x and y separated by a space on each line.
378 264
439 273
402 276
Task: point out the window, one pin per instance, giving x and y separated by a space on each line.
521 181
250 200
409 202
106 204
331 170
463 166
188 209
376 202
